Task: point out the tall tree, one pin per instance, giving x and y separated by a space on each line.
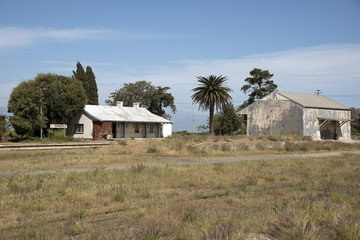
25 102
89 83
63 97
3 126
161 99
258 85
227 121
155 99
210 95
59 98
92 95
355 125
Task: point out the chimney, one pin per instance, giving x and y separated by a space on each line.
119 104
136 105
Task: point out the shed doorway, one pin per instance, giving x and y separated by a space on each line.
330 129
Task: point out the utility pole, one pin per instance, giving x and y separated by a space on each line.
41 113
193 120
318 91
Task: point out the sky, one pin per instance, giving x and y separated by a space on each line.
306 44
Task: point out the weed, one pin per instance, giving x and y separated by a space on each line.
150 232
292 225
346 227
138 168
33 206
152 149
223 231
118 197
190 216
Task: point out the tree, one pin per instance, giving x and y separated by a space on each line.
227 121
3 126
25 102
63 97
89 83
161 99
210 95
92 94
60 98
355 125
258 85
155 99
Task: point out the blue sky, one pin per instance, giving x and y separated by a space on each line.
306 44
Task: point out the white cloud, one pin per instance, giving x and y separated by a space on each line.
332 68
17 36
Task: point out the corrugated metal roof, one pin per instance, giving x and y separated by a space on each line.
124 114
312 101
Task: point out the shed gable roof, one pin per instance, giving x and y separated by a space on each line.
312 101
123 114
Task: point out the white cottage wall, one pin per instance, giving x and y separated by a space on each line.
81 118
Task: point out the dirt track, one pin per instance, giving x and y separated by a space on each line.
185 161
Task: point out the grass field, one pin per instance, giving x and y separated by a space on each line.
279 199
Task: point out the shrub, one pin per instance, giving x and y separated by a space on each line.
223 231
150 232
294 226
138 168
346 227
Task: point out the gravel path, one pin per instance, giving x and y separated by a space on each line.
185 161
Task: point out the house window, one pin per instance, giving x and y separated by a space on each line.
137 130
79 128
151 130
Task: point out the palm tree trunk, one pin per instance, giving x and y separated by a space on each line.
211 120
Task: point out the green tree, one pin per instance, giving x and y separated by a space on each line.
63 97
3 126
92 95
258 85
60 98
25 102
227 121
89 83
355 125
161 99
155 99
210 95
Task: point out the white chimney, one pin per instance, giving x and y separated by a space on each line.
136 104
119 104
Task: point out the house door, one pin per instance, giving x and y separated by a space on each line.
113 131
122 130
157 130
144 130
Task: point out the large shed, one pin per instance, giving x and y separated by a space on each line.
96 121
296 114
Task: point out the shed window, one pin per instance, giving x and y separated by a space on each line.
137 128
151 130
79 128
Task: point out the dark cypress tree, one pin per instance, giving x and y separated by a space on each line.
88 80
92 95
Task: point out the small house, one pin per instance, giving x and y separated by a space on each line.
296 114
95 122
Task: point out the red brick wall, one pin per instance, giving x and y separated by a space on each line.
101 128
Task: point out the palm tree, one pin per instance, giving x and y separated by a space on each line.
211 94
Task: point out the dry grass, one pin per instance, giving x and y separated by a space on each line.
215 201
167 150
